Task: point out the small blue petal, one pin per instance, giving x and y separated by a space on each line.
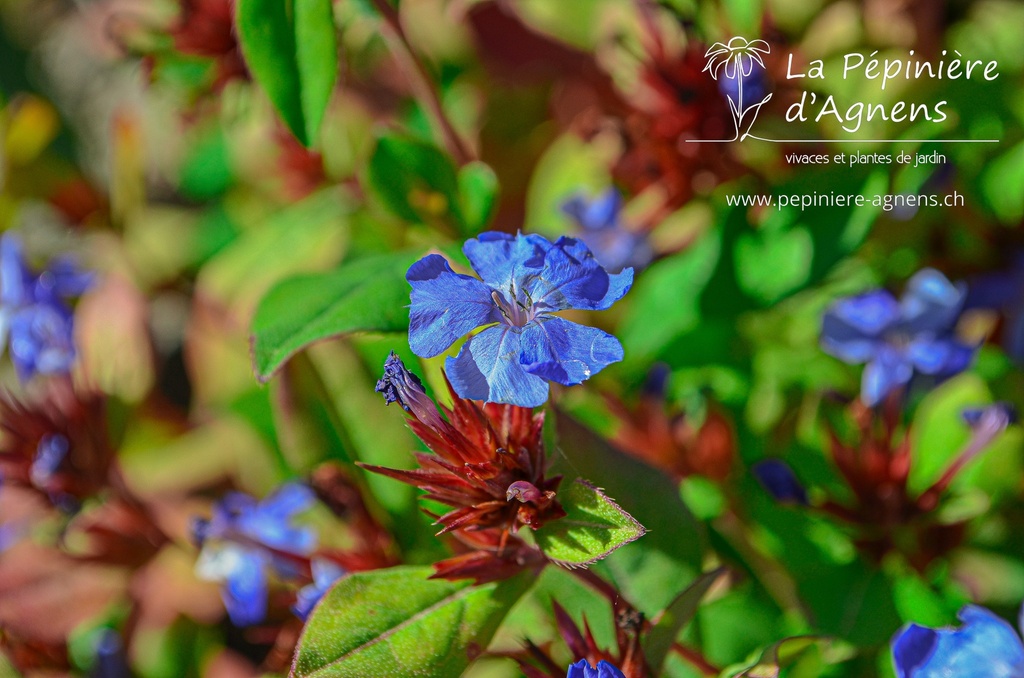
66 279
325 573
500 258
889 371
572 278
15 279
852 328
583 669
245 592
287 500
566 353
488 368
445 306
984 646
939 355
911 648
606 670
930 302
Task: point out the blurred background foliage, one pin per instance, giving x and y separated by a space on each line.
133 136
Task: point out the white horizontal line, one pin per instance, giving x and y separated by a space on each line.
850 141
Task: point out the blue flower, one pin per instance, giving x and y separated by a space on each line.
325 573
899 338
245 539
1003 291
35 320
615 246
583 669
779 480
984 646
525 280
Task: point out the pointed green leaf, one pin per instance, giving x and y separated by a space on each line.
593 527
788 652
365 295
675 617
396 622
291 50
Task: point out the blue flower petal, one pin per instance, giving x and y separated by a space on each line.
939 355
270 522
445 306
325 573
607 670
41 340
287 500
597 214
15 280
890 370
603 211
245 591
930 303
984 646
500 258
572 278
852 328
64 278
583 669
911 648
566 353
488 368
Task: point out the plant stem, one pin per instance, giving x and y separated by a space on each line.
421 82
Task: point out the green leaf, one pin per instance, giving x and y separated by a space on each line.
478 187
369 294
291 50
396 622
647 571
416 181
789 652
593 527
675 617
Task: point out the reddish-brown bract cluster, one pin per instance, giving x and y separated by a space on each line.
207 29
876 468
78 420
649 430
488 465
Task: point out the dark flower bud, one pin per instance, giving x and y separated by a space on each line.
780 481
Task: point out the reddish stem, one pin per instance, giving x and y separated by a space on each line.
420 80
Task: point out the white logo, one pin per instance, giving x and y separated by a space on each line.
735 61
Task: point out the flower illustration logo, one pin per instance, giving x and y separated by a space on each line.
734 61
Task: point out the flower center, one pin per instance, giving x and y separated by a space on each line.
517 308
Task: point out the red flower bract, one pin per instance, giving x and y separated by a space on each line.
488 466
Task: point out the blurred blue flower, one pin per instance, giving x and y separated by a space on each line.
899 338
984 646
110 659
325 573
525 280
583 669
1003 291
754 86
615 246
246 538
35 320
